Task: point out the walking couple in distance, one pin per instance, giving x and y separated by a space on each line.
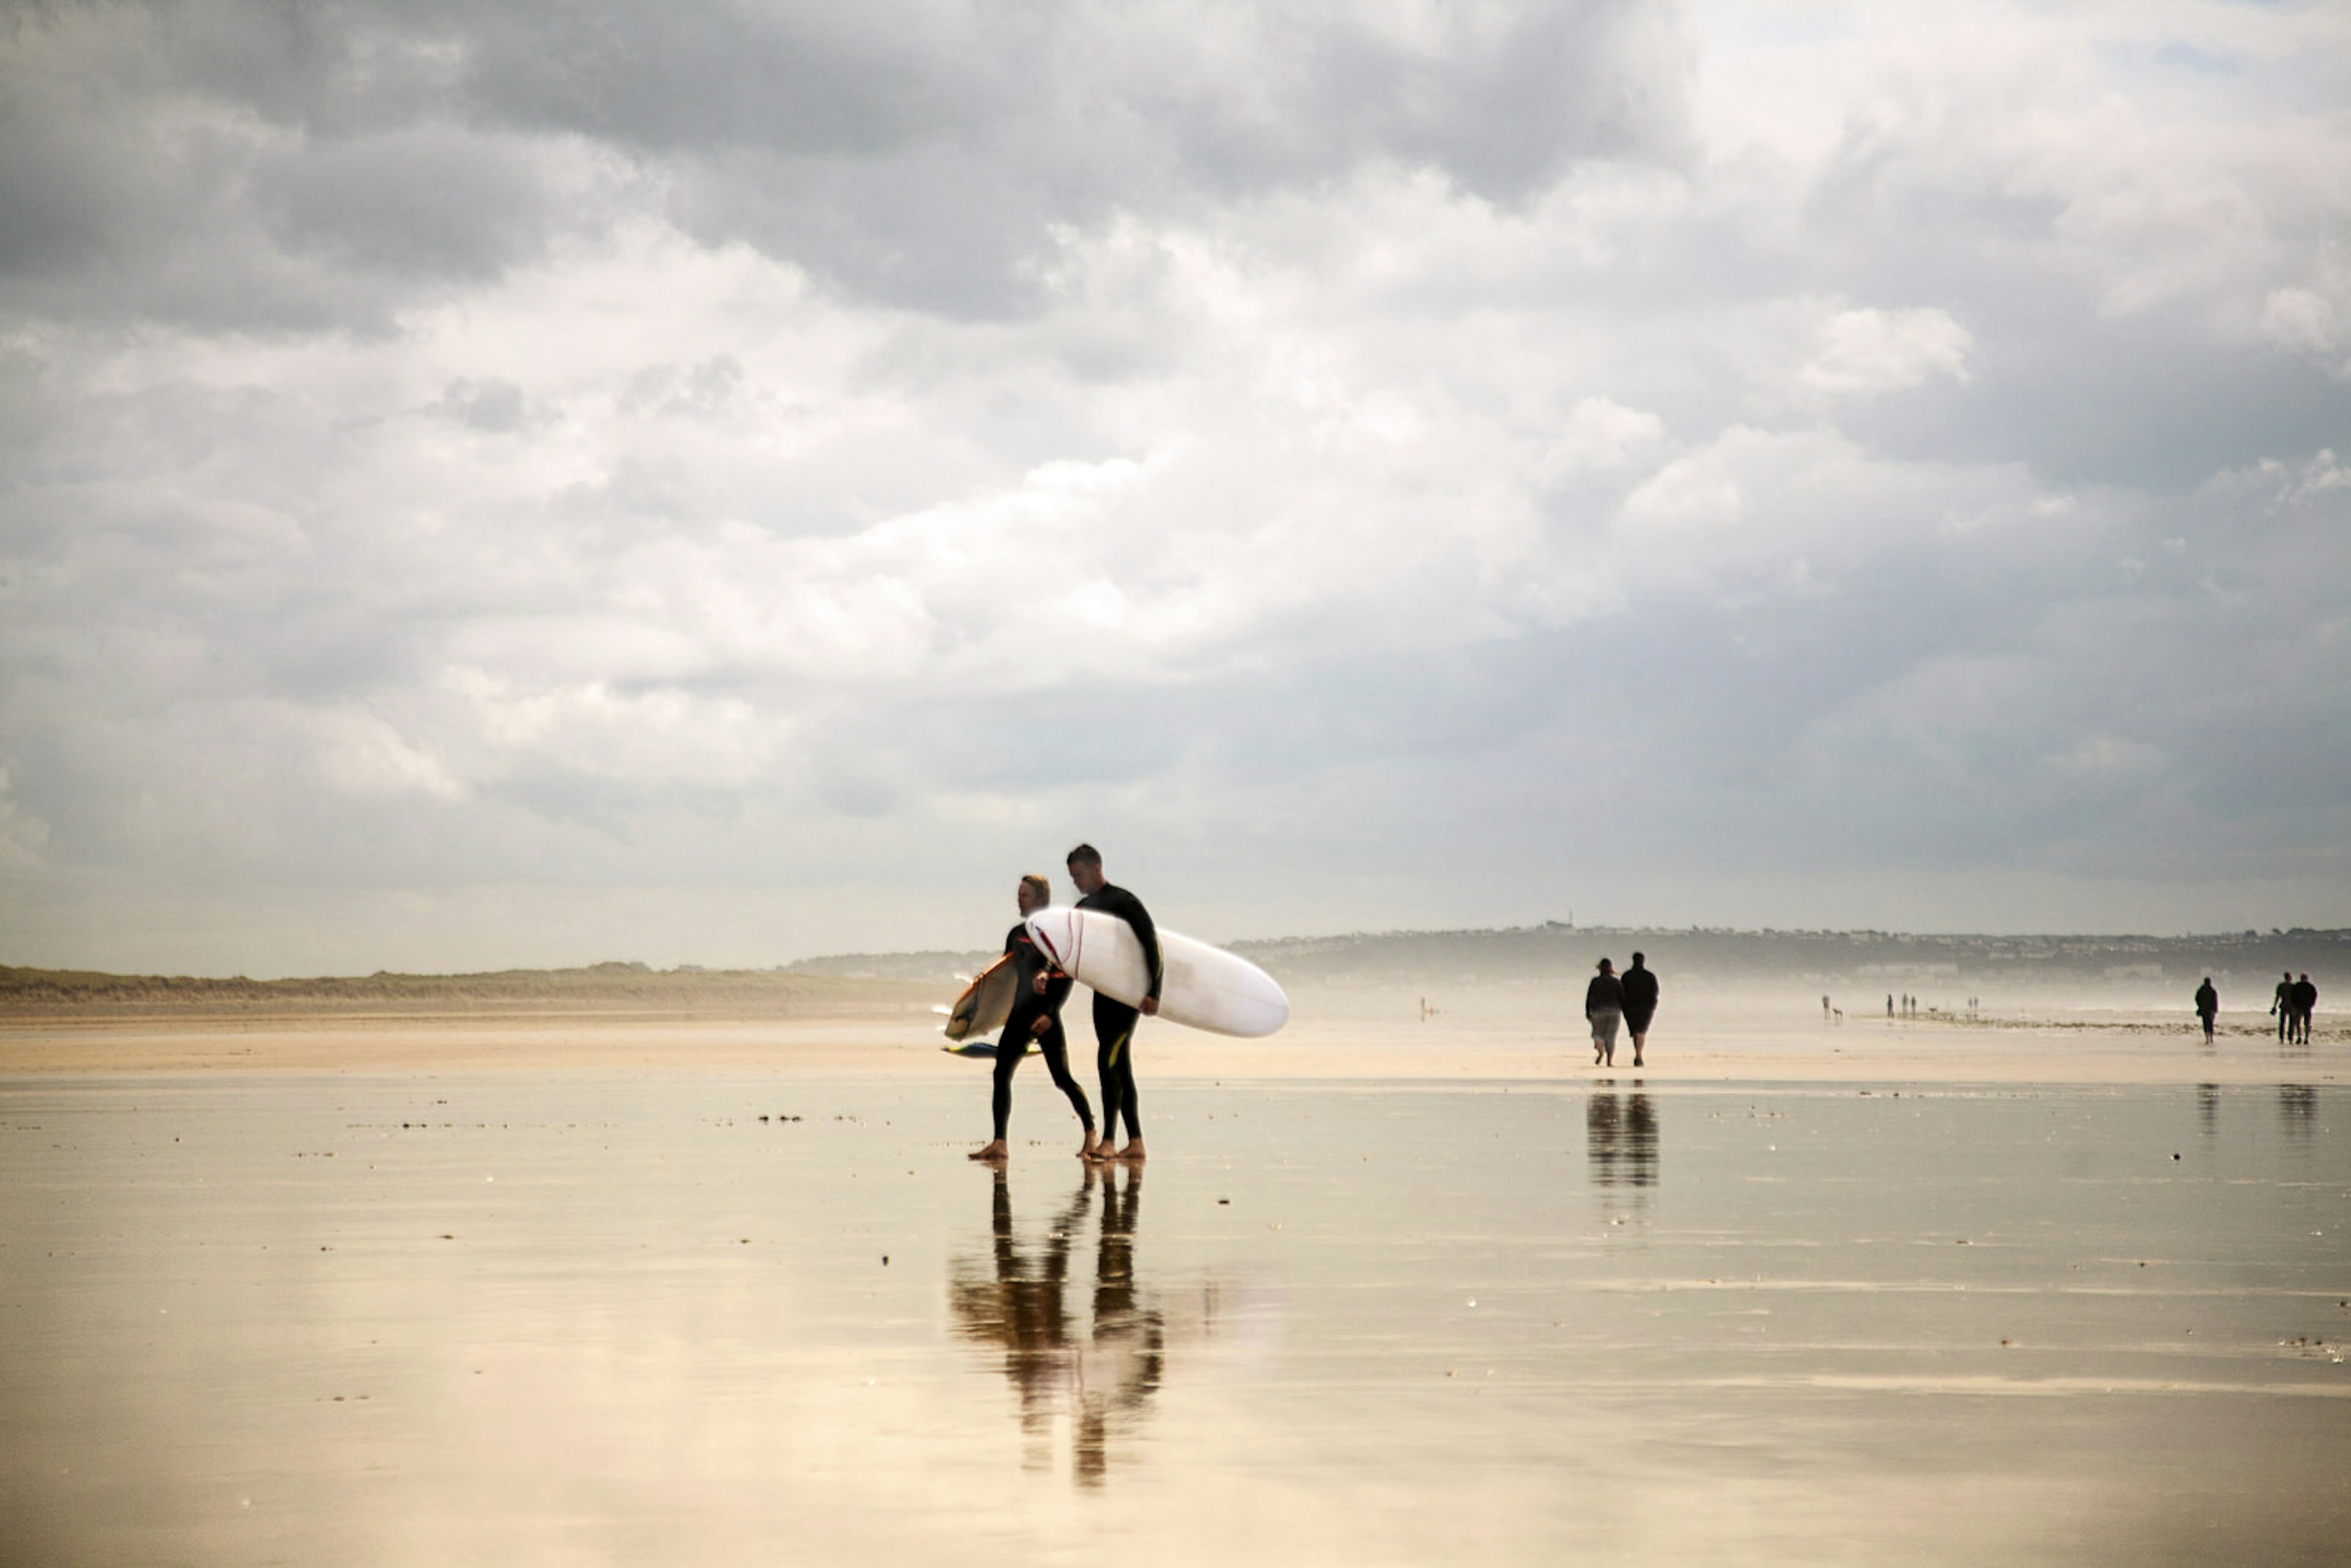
1629 999
1037 1016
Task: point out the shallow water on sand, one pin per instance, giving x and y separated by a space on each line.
570 1317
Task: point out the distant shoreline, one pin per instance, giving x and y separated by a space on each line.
1849 963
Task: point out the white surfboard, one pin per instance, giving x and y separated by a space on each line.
1200 986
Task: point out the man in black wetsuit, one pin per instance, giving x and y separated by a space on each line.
2207 1007
1639 985
1036 1015
2306 1002
2284 1007
1114 1021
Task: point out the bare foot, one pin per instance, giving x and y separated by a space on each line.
1134 1150
994 1151
1091 1144
1636 1060
1096 1150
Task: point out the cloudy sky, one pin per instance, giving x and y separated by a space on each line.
539 484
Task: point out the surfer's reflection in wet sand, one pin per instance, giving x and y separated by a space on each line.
2297 1111
1102 1377
1620 1139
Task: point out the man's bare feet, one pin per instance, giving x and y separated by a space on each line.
1096 1150
1092 1142
1134 1150
1595 1056
991 1151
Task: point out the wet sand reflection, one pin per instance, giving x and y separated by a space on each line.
1102 1377
2297 1111
1620 1139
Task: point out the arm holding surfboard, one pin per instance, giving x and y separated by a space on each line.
1117 901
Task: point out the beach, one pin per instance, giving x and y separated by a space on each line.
706 1291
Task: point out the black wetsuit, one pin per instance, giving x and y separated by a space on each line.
1020 1029
1639 987
1604 994
1114 1021
2284 1007
2208 1004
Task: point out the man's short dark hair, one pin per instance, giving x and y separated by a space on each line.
1639 957
1085 855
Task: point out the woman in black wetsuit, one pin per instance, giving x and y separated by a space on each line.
1036 1015
1603 1005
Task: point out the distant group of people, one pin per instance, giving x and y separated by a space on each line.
1042 987
1628 1001
2293 1002
2297 1000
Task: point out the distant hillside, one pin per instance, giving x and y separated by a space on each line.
867 984
1553 951
1556 952
929 969
631 990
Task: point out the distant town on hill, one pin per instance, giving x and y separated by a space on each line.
2139 968
1556 951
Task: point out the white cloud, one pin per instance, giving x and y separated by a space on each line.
1600 435
1865 351
1273 441
365 756
22 835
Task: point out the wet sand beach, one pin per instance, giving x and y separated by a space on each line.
731 1295
1724 1043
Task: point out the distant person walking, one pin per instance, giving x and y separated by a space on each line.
2284 1007
2306 1002
1036 1015
1639 986
2207 1007
1114 1021
1603 1005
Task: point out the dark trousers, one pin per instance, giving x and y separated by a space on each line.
1013 1044
1115 1062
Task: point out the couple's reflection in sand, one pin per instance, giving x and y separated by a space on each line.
1089 1344
1620 1139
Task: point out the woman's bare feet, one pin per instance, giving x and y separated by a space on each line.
1097 1150
1092 1142
1134 1150
991 1151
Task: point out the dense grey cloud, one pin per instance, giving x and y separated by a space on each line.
717 483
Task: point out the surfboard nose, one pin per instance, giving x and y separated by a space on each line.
1052 929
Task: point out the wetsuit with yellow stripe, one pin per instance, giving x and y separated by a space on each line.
1114 1021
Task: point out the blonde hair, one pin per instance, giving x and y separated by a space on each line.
1044 889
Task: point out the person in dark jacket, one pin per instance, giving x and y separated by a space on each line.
2208 1005
2306 1002
1036 1015
1603 1006
1639 985
2284 1007
1114 1021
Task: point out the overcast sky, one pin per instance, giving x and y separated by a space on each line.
538 484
